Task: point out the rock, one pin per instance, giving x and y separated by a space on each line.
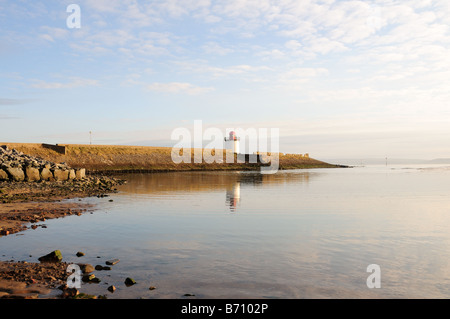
88 277
3 294
80 173
46 174
111 288
70 292
61 175
100 267
130 281
86 268
32 174
72 174
54 256
4 232
152 288
80 254
3 175
112 262
16 174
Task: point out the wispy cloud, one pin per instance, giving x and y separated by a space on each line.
7 117
178 87
4 101
53 34
73 83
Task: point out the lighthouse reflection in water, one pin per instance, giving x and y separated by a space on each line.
233 196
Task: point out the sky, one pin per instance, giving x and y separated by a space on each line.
338 78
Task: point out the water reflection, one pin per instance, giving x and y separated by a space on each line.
296 234
232 183
233 196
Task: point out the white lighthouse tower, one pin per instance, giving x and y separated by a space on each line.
232 142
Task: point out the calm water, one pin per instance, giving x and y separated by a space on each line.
295 234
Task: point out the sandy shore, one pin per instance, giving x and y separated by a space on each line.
25 205
16 217
30 202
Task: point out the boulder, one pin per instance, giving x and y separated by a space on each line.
32 174
46 174
72 174
80 173
16 173
54 256
60 175
3 175
16 166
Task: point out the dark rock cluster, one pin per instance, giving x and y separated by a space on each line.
17 166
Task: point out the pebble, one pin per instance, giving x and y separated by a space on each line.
112 262
100 267
70 292
130 281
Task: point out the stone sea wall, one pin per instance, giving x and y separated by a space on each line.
17 166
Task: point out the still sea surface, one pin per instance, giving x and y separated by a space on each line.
295 234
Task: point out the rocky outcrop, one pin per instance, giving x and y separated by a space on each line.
17 166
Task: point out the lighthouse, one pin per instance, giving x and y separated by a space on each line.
232 142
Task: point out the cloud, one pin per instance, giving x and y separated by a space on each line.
7 117
73 83
244 71
178 87
216 49
132 44
52 34
4 101
297 77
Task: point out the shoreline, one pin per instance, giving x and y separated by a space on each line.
31 202
26 205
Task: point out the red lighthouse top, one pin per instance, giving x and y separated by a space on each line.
233 136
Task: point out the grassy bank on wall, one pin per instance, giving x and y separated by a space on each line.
102 158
